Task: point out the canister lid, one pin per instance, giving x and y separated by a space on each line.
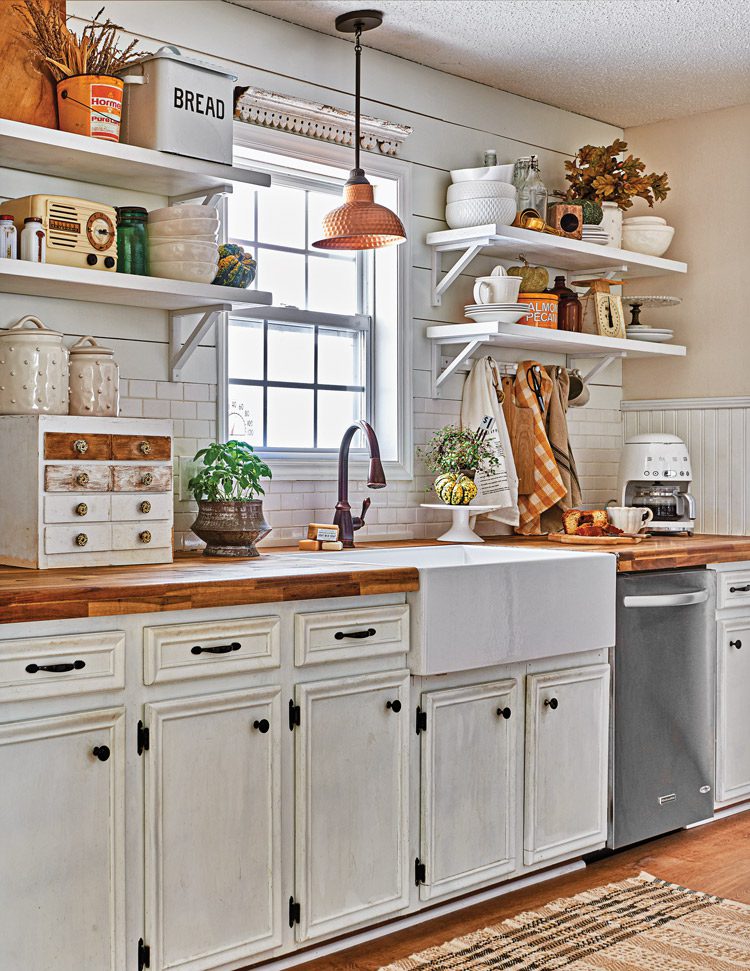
35 333
175 54
87 345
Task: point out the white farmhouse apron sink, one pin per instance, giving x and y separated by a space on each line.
478 607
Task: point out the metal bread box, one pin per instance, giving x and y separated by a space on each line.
179 104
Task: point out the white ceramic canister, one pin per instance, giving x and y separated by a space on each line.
94 380
33 370
612 223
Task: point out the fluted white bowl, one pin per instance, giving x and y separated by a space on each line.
478 212
202 226
190 271
651 240
177 249
183 211
493 173
480 190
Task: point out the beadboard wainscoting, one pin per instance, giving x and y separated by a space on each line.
717 434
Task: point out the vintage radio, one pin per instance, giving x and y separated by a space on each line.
79 232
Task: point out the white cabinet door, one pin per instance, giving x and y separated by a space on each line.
352 801
213 829
567 744
733 734
469 760
62 850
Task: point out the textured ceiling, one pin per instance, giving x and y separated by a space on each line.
626 62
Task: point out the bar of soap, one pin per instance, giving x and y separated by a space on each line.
322 532
329 546
310 545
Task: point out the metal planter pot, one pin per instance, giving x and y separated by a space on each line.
231 528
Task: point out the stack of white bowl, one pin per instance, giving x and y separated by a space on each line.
480 196
182 243
646 234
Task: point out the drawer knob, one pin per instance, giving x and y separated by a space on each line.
551 703
145 507
82 509
506 712
81 539
737 644
394 705
82 479
262 726
218 649
147 478
60 668
144 448
744 589
357 634
101 752
80 446
145 536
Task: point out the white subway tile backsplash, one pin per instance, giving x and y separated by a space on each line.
141 389
169 389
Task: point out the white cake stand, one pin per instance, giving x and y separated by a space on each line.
464 517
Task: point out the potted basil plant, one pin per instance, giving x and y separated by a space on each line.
227 488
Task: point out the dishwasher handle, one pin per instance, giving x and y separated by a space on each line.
667 599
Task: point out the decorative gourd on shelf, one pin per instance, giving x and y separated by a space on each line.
236 267
534 279
592 211
455 489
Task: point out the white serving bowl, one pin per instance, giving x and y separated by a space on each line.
165 250
650 240
191 271
205 226
644 221
479 212
480 190
182 211
493 173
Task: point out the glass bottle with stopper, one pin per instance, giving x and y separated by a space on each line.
533 192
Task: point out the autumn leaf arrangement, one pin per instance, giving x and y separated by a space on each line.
64 54
603 173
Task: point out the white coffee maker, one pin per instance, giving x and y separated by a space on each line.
655 473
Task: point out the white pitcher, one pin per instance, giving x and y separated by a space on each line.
497 288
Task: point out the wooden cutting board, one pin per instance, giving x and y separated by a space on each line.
594 540
25 94
520 422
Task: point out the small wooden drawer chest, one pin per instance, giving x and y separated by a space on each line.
78 491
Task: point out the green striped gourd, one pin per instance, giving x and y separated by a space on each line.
236 267
455 489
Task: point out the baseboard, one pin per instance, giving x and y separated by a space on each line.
722 813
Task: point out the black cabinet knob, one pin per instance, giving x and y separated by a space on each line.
263 725
737 644
551 703
101 752
394 705
504 712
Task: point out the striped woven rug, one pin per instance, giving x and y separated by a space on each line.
641 924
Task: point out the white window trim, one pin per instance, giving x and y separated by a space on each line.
324 466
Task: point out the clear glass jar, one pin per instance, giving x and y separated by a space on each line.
533 192
520 171
132 240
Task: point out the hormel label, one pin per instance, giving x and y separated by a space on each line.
106 109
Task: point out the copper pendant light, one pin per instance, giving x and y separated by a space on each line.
360 223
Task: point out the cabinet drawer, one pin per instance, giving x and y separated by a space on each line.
76 509
77 478
129 508
92 537
734 589
156 448
66 445
142 478
345 634
84 662
134 536
179 651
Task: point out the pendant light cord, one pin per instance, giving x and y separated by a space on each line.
357 59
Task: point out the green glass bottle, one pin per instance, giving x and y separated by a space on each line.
132 240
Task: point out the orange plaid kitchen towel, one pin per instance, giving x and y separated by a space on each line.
533 389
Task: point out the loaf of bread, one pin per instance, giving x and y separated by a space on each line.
588 522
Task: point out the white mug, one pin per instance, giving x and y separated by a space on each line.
630 519
497 288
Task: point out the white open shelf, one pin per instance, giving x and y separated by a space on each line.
537 340
47 151
510 242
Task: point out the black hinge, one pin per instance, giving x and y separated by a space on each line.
294 912
421 720
294 715
144 955
420 872
144 741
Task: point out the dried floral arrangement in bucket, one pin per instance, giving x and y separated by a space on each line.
66 55
599 173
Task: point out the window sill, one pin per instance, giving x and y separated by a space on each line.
326 468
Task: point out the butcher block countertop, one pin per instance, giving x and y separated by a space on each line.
195 582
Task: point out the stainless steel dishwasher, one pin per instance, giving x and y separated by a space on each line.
664 698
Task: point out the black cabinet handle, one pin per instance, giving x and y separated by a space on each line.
357 634
740 589
737 644
219 649
551 703
504 712
263 725
394 705
101 752
56 668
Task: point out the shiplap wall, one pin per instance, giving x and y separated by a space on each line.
454 120
717 434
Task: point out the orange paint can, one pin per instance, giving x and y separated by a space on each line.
90 105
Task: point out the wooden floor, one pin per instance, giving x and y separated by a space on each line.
714 858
